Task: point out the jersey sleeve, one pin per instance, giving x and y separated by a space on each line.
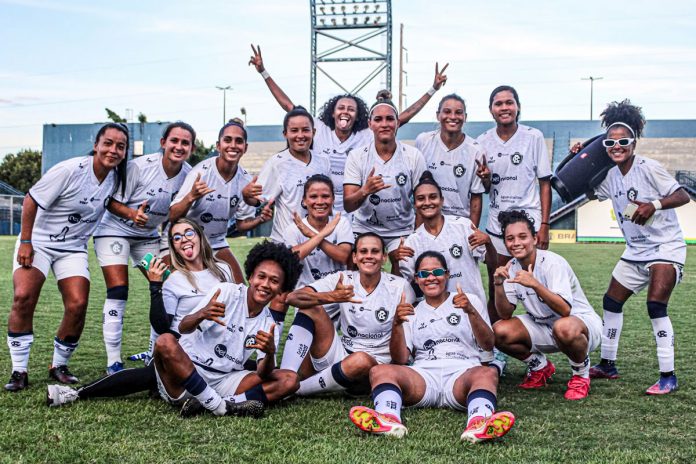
480 307
418 168
663 182
408 291
328 283
169 297
293 236
408 333
510 292
407 267
186 186
543 166
47 190
421 141
558 280
353 174
245 211
602 191
270 179
344 232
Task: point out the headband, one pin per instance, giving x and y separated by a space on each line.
619 123
383 103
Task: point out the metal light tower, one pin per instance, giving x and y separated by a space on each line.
224 101
341 28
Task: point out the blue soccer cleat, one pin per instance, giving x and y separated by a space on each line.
664 386
114 368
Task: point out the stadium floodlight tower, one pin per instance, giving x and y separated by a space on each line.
350 31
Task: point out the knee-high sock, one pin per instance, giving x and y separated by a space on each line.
209 398
664 335
480 403
612 324
387 399
20 345
63 350
122 383
112 328
299 340
331 379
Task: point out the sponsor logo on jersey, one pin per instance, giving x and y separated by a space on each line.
151 192
456 251
74 218
316 273
454 319
516 158
374 199
206 218
459 170
382 315
116 247
430 344
449 189
401 178
220 350
353 332
632 194
234 201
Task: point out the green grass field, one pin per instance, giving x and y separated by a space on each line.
617 423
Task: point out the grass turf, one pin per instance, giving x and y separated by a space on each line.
617 423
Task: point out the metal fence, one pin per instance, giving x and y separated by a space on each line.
10 214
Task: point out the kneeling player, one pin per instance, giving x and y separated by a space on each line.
229 327
559 317
446 335
367 301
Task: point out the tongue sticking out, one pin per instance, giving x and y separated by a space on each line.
188 252
342 124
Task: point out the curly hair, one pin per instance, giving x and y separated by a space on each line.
326 112
513 216
288 261
625 112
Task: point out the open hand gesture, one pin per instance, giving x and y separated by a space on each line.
502 274
482 170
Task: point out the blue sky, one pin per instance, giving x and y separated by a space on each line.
65 61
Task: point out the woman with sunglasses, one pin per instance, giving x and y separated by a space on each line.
211 195
644 196
130 226
445 335
59 214
342 125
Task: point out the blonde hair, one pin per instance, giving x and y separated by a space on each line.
210 262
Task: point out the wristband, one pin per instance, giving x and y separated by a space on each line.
657 204
545 223
497 285
431 91
265 74
25 241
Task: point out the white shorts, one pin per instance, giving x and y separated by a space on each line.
542 334
223 384
499 245
337 353
113 251
439 383
636 276
64 264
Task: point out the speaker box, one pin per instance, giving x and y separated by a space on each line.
582 172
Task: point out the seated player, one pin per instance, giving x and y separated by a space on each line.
446 335
558 318
367 301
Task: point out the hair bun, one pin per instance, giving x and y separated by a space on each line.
384 96
236 121
427 175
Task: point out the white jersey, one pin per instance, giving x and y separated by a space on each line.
71 203
367 326
453 243
554 273
327 143
646 181
317 264
213 211
454 170
224 349
147 180
283 178
388 212
180 297
443 335
515 167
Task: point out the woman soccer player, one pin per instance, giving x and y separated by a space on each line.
517 159
283 176
456 160
445 335
212 194
130 226
59 214
558 316
644 196
342 125
379 179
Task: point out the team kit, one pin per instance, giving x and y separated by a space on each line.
347 200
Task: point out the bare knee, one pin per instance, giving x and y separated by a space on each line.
565 330
381 373
166 346
505 334
24 301
358 364
288 381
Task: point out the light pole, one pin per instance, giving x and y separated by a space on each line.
591 79
224 101
243 111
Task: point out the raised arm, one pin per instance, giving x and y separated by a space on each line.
438 82
257 61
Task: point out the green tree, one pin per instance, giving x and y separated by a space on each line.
142 119
21 170
200 152
114 116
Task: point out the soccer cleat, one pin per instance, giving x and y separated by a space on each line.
481 428
144 357
538 379
371 421
114 368
664 386
18 381
250 408
58 395
604 370
578 388
62 375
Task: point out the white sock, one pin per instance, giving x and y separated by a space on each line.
664 338
535 361
151 343
62 351
611 331
19 346
296 347
582 368
329 380
387 399
480 403
238 398
112 328
211 400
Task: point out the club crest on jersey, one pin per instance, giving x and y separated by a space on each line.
454 319
250 340
206 218
382 315
220 350
116 248
74 218
316 273
456 251
516 158
459 170
234 201
401 178
632 194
